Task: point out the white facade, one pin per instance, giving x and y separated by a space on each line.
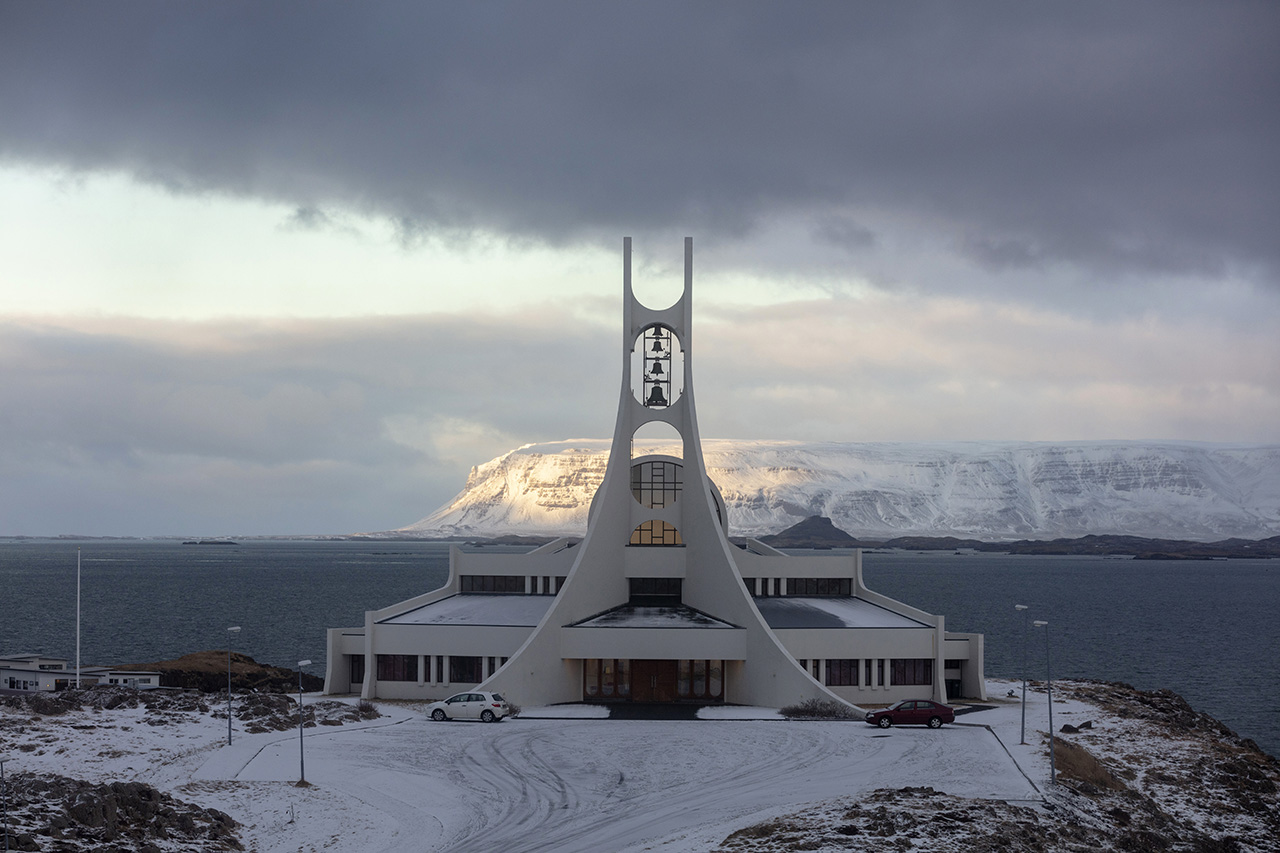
40 673
34 672
655 604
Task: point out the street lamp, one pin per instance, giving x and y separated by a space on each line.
1025 629
4 795
230 631
1048 675
302 767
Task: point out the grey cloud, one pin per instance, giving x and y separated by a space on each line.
270 427
1119 137
845 233
1003 254
241 427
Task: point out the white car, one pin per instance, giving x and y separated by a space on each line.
489 707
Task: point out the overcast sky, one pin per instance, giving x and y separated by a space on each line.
296 267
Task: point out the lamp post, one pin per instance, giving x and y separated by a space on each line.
1048 675
6 838
4 795
302 767
230 631
1025 629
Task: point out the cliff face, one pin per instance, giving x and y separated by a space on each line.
978 490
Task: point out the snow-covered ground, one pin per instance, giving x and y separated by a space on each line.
551 780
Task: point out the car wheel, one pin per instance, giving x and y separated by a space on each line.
935 723
438 715
884 722
487 716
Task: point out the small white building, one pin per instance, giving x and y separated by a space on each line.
40 673
34 672
138 679
655 604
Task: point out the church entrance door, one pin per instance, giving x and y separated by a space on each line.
653 680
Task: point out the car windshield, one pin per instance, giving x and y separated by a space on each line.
896 705
497 697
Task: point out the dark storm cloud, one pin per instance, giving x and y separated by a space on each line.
1117 136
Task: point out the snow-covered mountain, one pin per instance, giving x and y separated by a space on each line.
986 490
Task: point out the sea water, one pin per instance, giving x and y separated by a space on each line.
1205 629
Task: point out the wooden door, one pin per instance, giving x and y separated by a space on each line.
653 681
643 680
665 687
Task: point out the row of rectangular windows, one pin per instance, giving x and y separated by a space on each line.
509 584
463 669
844 672
771 587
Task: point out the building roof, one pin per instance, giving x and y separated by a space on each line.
631 616
840 612
508 611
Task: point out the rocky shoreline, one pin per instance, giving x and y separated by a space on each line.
1150 774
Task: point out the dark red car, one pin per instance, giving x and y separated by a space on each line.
920 712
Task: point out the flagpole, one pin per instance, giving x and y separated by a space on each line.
77 619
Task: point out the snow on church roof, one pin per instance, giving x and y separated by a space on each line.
520 611
633 616
799 612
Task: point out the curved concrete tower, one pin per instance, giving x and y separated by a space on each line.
654 591
655 604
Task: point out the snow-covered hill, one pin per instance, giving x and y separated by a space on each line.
986 490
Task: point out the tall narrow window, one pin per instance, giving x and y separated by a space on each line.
624 678
607 672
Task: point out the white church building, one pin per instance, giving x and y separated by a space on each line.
654 604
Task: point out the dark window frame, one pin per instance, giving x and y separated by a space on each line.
496 584
656 533
907 672
842 672
462 668
397 667
657 483
820 587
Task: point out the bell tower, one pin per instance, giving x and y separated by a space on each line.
654 591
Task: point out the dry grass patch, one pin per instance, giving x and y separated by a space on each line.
1077 763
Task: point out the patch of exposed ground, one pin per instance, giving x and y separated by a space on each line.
207 672
260 712
1149 773
48 812
128 730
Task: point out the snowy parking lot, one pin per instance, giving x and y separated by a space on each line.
565 779
406 783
